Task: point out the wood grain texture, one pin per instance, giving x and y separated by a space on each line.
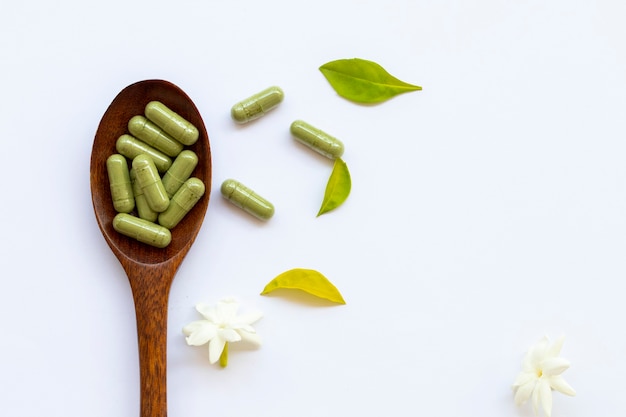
150 270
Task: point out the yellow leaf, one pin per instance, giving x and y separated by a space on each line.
307 280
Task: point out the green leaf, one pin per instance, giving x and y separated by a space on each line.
307 280
363 81
337 188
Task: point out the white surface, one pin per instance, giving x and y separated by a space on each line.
487 210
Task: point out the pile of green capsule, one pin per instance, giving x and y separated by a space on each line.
156 191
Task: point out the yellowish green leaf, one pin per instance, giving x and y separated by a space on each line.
363 81
337 188
307 280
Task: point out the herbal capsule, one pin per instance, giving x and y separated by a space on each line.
320 142
142 230
146 131
143 208
119 181
132 147
171 122
246 199
185 198
256 106
150 183
181 169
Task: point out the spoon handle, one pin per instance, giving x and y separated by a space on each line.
150 286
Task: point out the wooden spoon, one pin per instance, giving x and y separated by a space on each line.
150 270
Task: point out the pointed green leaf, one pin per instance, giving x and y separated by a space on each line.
363 81
307 280
337 188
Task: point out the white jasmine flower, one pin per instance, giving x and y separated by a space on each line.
221 325
541 373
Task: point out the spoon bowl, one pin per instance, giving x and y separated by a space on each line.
150 270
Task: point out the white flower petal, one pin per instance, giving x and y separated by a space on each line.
227 310
243 327
252 338
191 327
527 365
535 397
558 383
199 332
216 346
249 318
541 347
545 396
207 311
523 378
555 348
535 355
554 366
229 335
523 392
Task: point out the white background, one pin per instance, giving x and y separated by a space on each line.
487 210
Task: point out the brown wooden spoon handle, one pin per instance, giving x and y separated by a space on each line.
150 288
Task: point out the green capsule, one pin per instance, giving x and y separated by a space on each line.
143 208
181 169
142 230
171 122
119 181
150 183
131 147
246 199
185 198
146 131
320 142
256 106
